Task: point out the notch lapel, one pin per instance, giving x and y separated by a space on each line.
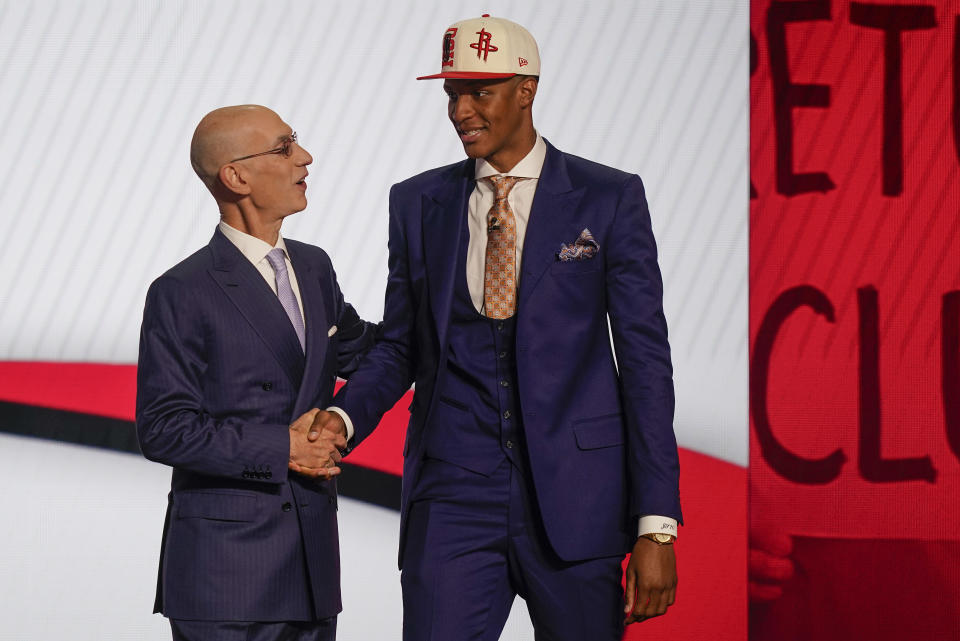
257 303
316 298
552 219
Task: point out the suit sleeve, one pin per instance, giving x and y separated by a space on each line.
639 330
355 335
387 371
173 426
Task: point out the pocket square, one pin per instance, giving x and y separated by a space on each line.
331 331
584 247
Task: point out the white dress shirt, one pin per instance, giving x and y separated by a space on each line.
256 252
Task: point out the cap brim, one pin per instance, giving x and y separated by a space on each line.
467 75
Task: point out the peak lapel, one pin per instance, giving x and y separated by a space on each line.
444 210
257 303
552 219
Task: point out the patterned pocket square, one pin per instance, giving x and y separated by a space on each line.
584 247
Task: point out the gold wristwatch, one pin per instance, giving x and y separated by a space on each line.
660 538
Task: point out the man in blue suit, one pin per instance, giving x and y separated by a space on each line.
237 339
534 461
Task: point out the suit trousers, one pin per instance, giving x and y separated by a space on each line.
475 542
325 630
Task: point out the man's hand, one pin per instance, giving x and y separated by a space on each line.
318 456
327 422
303 423
770 565
651 580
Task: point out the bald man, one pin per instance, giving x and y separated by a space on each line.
237 340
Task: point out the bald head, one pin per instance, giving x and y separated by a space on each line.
228 133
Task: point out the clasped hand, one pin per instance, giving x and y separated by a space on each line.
316 440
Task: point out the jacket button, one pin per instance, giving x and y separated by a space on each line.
246 474
503 354
506 415
268 474
267 386
509 445
286 507
504 384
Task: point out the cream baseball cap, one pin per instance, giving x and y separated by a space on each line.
487 47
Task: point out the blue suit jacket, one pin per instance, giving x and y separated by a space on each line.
221 376
600 435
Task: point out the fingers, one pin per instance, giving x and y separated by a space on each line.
303 423
315 472
630 593
770 568
770 565
649 604
763 592
771 541
327 421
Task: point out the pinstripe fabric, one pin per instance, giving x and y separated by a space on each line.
221 376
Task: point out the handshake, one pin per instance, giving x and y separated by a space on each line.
316 441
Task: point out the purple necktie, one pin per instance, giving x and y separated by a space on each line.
285 293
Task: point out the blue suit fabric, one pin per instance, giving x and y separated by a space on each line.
221 376
595 420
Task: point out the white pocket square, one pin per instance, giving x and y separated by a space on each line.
331 331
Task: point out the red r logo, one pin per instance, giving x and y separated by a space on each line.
447 60
483 44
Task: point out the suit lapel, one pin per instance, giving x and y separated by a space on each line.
314 296
257 303
552 220
444 211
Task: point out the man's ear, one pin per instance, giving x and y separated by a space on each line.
232 176
527 90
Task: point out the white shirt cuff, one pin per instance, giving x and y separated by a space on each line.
657 524
346 421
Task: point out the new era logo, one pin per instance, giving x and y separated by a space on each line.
523 62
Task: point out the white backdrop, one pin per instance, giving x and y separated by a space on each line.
99 98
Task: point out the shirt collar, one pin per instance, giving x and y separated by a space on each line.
529 167
252 247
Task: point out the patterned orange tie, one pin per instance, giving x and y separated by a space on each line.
500 270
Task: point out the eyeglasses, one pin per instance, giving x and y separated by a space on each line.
286 149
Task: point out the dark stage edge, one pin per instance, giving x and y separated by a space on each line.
356 482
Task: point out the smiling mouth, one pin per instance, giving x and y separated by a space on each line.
467 135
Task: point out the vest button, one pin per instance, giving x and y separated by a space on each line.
506 414
509 445
504 383
503 354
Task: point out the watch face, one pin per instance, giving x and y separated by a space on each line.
662 538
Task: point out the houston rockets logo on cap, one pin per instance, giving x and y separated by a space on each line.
448 44
487 47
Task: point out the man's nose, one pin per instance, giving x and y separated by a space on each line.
305 157
461 109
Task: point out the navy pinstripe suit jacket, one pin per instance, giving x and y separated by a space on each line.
221 376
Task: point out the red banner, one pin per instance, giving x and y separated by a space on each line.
854 319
